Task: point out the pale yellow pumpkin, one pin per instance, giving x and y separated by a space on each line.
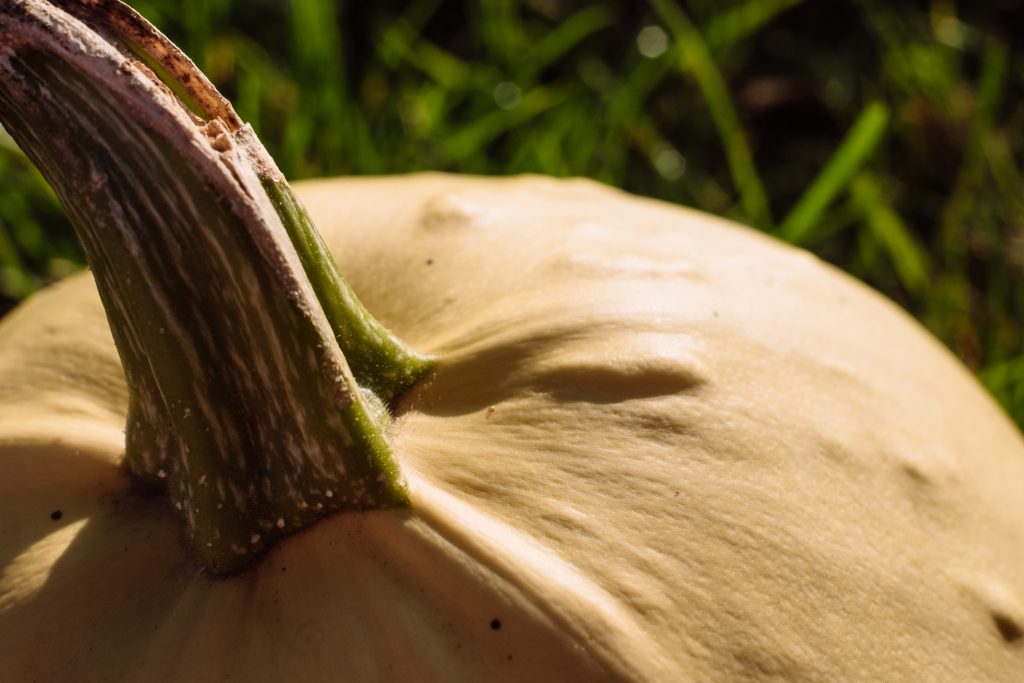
656 446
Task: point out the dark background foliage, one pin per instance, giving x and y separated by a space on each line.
886 137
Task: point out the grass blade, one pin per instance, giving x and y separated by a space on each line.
465 144
567 35
861 141
732 26
696 59
909 259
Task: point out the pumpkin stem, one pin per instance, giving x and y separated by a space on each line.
257 382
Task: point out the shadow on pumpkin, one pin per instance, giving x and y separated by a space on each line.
97 564
47 487
111 591
471 381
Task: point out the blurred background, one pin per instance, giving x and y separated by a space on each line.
886 137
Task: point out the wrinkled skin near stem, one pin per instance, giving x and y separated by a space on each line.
257 381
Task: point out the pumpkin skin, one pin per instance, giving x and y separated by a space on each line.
657 446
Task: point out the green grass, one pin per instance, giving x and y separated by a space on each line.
886 137
853 152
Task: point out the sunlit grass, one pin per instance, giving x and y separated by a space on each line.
853 152
886 137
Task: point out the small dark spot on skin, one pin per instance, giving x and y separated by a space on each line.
916 475
284 568
676 494
489 412
56 515
430 261
1009 629
495 624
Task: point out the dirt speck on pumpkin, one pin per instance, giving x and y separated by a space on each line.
495 624
56 515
